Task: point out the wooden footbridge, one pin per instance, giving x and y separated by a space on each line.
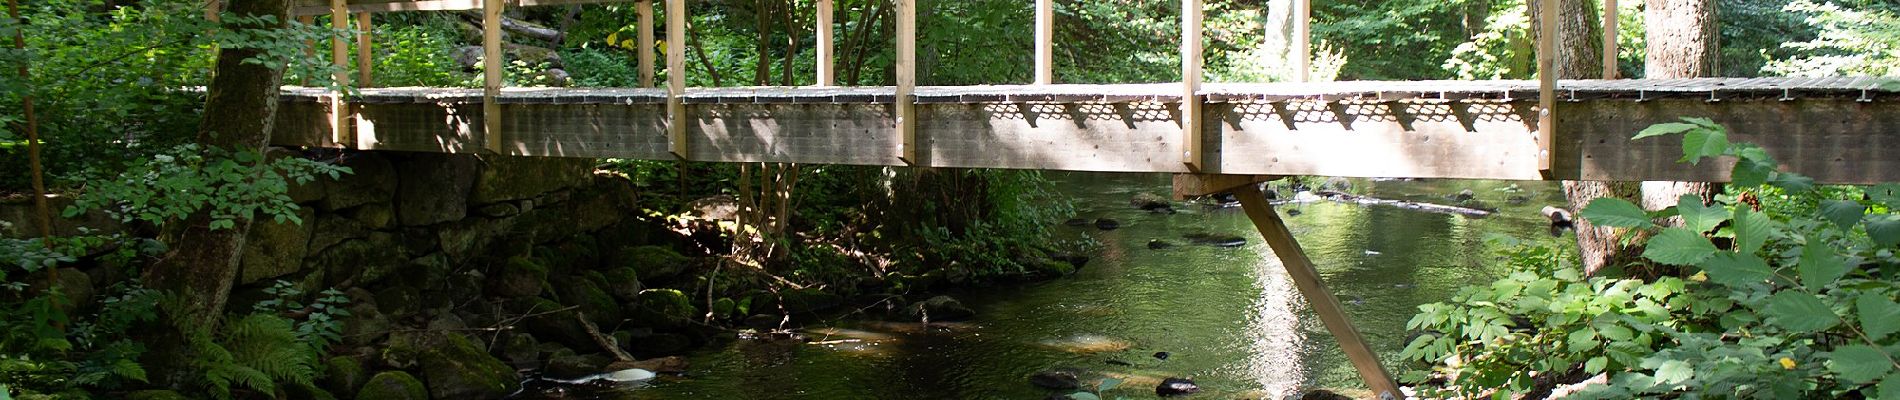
1218 137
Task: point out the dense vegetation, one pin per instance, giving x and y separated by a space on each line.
1775 289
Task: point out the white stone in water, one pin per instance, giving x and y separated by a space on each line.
628 375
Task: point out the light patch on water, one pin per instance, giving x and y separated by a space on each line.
1088 344
1274 360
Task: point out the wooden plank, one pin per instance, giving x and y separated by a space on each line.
676 77
1303 39
1191 85
1045 42
317 7
906 80
365 61
340 60
1609 39
825 63
1195 185
645 39
491 75
1546 82
1307 279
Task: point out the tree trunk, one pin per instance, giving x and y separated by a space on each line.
1683 43
240 108
1578 52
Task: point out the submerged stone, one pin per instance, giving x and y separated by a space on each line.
1176 387
1056 380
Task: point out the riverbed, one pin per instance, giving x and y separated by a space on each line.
1228 318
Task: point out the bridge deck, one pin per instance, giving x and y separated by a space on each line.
1836 129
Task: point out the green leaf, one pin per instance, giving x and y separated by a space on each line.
1107 385
1674 372
1751 230
1582 340
1792 182
1698 217
1084 396
1889 387
1801 312
1749 173
1678 246
1699 143
1667 128
1843 213
1885 193
1737 269
1614 212
1859 363
1819 265
1596 364
1879 315
1884 229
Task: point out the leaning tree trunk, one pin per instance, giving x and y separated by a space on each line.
240 107
1682 43
1578 51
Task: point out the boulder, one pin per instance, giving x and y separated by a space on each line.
372 180
551 328
518 349
366 324
1056 380
454 368
434 188
653 263
518 277
599 307
344 375
942 308
273 249
499 210
465 240
333 229
349 259
373 215
623 283
1176 387
1107 224
399 301
517 178
717 208
662 308
393 385
572 366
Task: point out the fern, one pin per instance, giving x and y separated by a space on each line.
255 352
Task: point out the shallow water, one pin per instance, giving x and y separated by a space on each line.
1228 317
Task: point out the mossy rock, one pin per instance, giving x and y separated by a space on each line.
662 308
393 385
623 283
1049 269
557 327
518 277
599 307
303 391
456 369
155 395
653 263
344 375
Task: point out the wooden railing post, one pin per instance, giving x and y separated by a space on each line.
1303 39
309 48
1045 42
676 77
1609 38
491 75
906 80
340 131
1546 82
1306 278
1191 84
826 75
364 57
645 37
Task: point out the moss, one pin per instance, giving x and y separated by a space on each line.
344 375
393 385
623 283
519 277
654 262
600 308
662 308
457 369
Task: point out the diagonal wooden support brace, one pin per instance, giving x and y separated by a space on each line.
1306 278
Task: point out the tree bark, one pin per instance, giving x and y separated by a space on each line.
1578 51
240 109
1682 39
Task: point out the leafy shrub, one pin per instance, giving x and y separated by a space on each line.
176 184
598 68
1796 301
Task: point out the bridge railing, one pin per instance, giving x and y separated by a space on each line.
905 66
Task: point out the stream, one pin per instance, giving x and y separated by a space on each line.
1229 318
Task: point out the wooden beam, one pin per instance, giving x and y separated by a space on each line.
309 47
645 38
1546 81
318 7
365 60
491 75
827 76
340 61
906 80
1195 185
1609 39
676 78
1045 42
1307 279
1303 39
1191 85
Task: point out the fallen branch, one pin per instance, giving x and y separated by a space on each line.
520 27
605 342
